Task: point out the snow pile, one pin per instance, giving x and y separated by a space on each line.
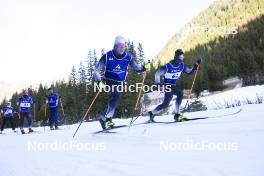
235 97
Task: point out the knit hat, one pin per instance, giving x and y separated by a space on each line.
119 39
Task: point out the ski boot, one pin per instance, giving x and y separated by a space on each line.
30 130
151 117
109 124
179 118
56 128
23 132
102 123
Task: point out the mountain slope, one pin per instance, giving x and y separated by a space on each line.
222 18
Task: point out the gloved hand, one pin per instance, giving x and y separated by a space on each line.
101 85
147 65
199 62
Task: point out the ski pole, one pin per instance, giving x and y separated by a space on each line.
62 110
190 91
139 95
45 114
34 112
45 110
86 113
1 116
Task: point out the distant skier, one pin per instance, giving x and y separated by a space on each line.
112 70
8 112
170 73
25 102
53 104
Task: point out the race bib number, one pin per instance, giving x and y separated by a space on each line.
25 105
8 111
173 75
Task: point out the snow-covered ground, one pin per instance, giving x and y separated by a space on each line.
229 145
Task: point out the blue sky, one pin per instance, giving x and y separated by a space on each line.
41 40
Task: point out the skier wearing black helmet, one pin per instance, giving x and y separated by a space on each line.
170 73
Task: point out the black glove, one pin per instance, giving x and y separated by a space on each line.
199 62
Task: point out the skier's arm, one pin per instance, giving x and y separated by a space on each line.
136 67
190 71
100 68
160 72
32 101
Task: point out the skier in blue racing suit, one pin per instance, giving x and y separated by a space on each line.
25 103
112 70
53 104
8 112
170 73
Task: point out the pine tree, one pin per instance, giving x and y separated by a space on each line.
102 52
140 54
73 76
82 74
89 67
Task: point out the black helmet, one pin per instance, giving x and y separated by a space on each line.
178 52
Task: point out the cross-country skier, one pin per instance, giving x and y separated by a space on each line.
53 104
111 70
170 73
8 112
25 102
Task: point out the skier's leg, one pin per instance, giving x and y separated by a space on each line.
178 101
3 124
106 118
21 120
56 117
51 118
167 98
29 118
114 98
12 124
